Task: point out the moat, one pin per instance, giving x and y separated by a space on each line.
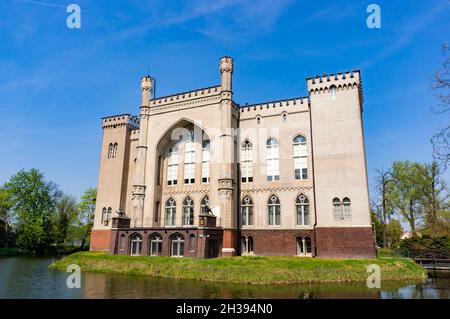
22 277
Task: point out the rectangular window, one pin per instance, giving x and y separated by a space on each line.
189 162
301 160
247 163
205 162
172 167
273 160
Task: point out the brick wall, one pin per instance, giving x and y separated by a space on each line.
100 240
345 242
277 242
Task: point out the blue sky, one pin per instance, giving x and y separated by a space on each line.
56 83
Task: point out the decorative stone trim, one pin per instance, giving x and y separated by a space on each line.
276 189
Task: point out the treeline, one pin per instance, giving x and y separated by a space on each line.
38 218
414 193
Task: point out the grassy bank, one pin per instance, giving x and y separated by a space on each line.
255 270
11 252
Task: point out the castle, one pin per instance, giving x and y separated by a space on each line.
198 175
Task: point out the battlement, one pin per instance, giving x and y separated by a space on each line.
342 81
186 96
115 121
274 104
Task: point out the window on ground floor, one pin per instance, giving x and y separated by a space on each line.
177 246
156 245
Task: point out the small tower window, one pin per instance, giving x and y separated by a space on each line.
333 90
258 120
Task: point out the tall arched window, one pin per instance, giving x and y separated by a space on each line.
204 205
337 209
189 159
205 161
136 245
177 246
243 245
300 157
188 212
108 215
250 245
302 208
274 211
308 245
247 211
115 150
171 208
300 246
273 160
104 215
155 245
247 162
111 150
172 166
347 209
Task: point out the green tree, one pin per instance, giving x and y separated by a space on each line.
406 192
86 209
66 214
5 207
435 199
393 231
383 203
378 227
33 207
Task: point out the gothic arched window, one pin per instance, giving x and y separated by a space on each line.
347 209
136 245
302 208
274 209
171 208
337 209
155 245
204 205
177 246
188 212
247 211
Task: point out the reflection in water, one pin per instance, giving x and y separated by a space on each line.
29 278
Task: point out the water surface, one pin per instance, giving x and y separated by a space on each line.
23 277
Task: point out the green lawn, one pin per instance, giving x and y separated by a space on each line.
254 270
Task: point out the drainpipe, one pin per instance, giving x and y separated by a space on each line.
313 174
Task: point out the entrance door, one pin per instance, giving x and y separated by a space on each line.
213 248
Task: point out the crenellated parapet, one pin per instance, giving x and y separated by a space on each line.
342 81
115 121
274 104
186 96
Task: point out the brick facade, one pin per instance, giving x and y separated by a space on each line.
198 242
350 242
277 242
100 240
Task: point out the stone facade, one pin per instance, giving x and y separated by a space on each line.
198 175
